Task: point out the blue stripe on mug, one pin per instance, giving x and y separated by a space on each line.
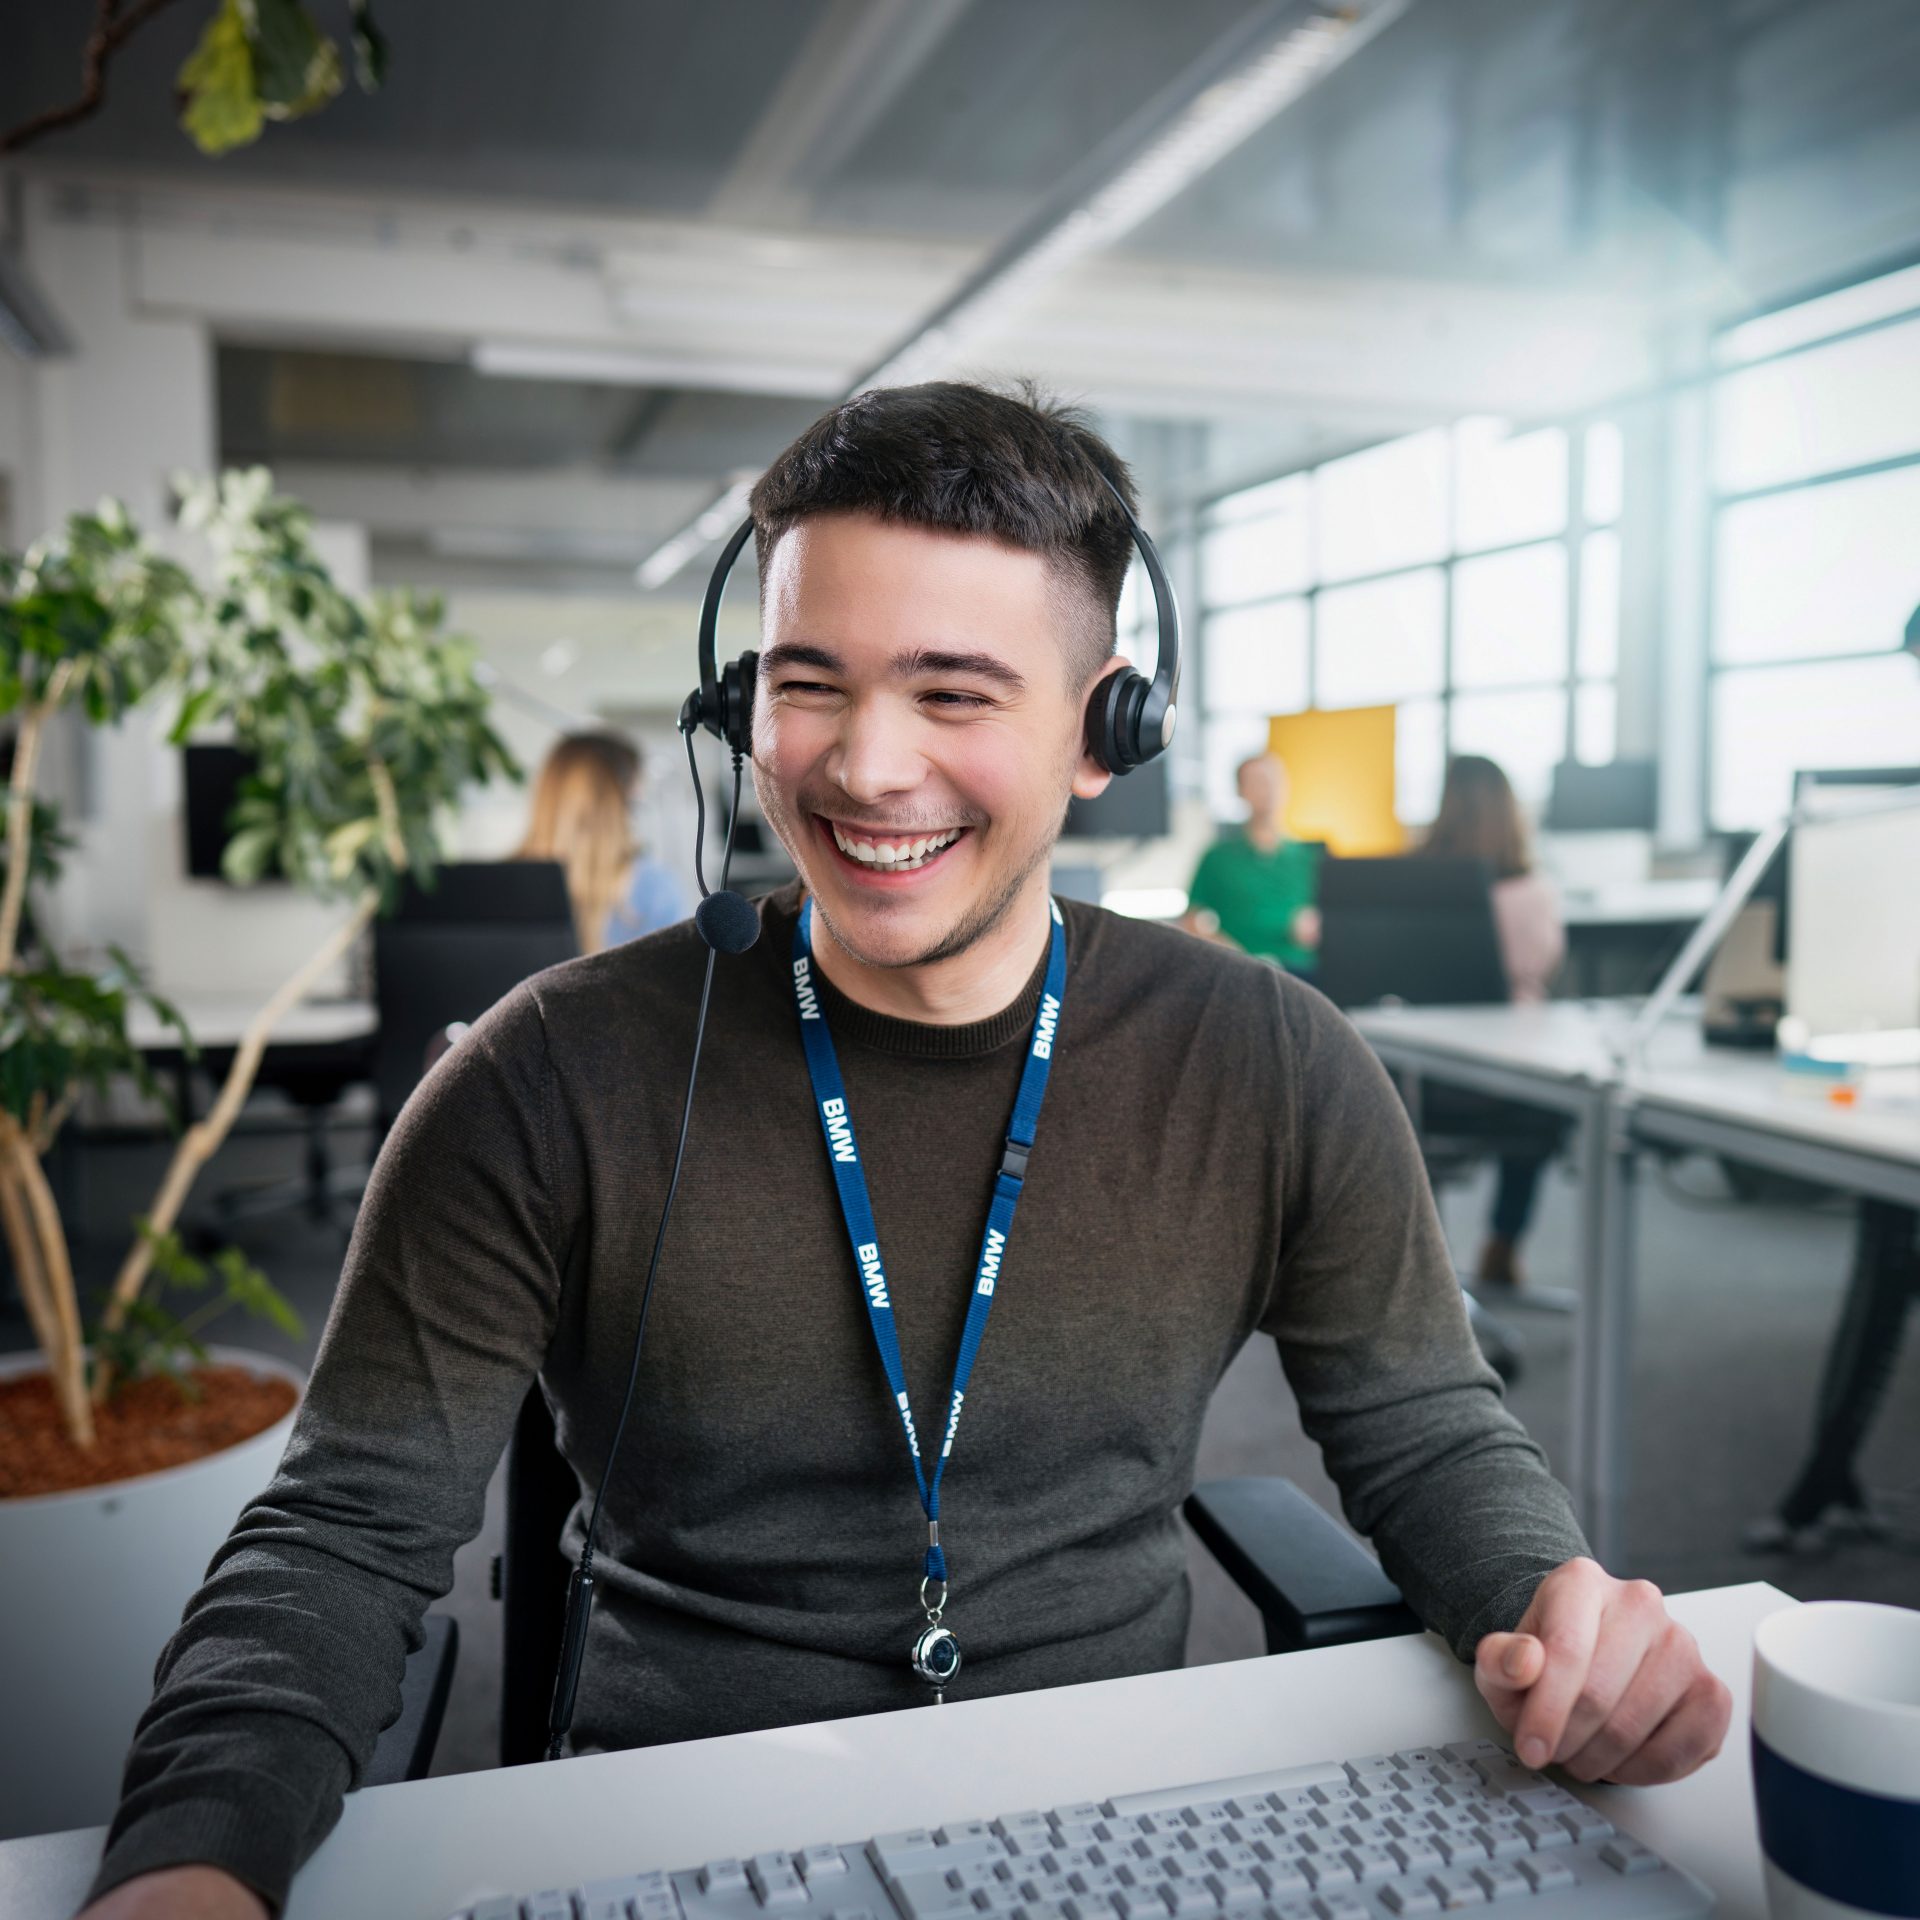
1862 1849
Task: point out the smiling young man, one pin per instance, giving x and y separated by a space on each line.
1217 1154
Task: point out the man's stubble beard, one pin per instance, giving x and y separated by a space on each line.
969 931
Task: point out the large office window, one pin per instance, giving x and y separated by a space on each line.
1469 577
1816 559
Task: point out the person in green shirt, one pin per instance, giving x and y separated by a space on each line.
1255 888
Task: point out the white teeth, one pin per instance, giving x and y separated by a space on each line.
895 855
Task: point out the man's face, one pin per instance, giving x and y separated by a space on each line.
1263 786
914 736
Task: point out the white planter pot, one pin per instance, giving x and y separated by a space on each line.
92 1585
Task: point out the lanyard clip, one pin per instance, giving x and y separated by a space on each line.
1013 1163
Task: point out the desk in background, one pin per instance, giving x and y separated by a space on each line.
1685 1095
425 1849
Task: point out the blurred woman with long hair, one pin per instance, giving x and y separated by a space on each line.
582 816
1480 819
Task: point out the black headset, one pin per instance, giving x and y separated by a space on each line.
1129 720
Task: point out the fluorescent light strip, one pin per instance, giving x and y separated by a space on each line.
1194 140
531 360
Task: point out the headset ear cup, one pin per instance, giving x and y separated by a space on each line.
1113 722
737 680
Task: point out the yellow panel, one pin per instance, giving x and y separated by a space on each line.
1340 768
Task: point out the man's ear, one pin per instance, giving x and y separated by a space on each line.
1090 778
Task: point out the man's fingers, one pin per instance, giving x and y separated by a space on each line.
1671 1665
1689 1737
1505 1665
1565 1618
1632 1623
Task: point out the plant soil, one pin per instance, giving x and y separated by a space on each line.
145 1426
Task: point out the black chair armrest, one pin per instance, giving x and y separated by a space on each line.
1314 1584
405 1750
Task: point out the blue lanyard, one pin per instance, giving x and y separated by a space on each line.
836 1124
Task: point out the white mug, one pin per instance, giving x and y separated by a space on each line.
1836 1760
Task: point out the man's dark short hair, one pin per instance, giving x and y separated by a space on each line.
1017 466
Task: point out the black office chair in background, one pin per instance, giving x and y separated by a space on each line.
1419 931
1315 1586
450 950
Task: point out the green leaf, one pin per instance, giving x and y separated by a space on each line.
192 710
221 106
296 67
370 52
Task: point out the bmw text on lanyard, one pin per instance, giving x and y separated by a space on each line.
936 1654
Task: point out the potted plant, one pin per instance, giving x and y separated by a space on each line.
127 1446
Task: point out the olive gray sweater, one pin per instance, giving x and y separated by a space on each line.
1219 1156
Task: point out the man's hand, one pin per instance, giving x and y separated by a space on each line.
179 1893
1600 1678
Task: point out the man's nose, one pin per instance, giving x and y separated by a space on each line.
875 756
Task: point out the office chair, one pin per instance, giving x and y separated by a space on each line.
1314 1584
1419 931
449 951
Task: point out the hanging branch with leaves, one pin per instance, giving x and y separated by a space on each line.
257 60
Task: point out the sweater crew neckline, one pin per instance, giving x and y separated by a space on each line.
852 1023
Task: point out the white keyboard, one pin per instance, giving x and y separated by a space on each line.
1425 1831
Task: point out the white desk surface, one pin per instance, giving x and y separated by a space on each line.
1638 903
221 1020
1749 1089
1554 1039
425 1849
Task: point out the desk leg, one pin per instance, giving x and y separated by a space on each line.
1608 1373
1590 1152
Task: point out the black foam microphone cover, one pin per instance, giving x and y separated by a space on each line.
727 922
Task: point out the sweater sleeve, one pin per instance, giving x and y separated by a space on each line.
287 1664
1374 1339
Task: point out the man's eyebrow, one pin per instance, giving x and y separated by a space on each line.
798 653
917 661
912 663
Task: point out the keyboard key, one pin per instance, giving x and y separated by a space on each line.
1412 1851
1371 1863
1233 1891
1030 1820
1343 1906
1329 1870
927 1896
1472 1750
1419 1757
551 1905
820 1863
1586 1824
1461 1849
1080 1813
1629 1856
1187 1897
1548 1799
1505 1841
1283 1878
1409 1897
780 1892
1545 1874
1291 1910
1544 1833
1501 1880
722 1876
1457 1889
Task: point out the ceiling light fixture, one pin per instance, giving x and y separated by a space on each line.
1267 63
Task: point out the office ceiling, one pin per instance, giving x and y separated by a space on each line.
1616 145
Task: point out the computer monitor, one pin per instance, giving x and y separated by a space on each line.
1417 929
211 777
1622 796
1138 807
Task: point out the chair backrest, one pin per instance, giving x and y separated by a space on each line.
541 1490
449 951
1417 929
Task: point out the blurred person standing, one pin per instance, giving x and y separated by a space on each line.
583 801
1480 819
1255 889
